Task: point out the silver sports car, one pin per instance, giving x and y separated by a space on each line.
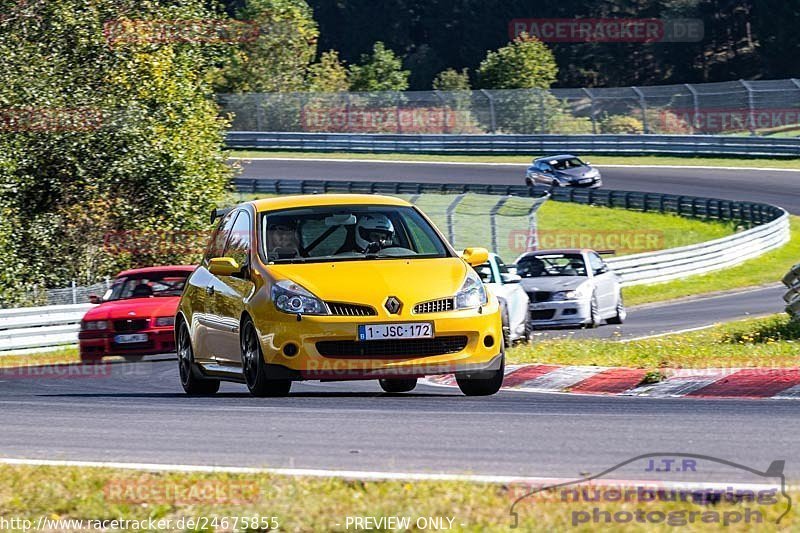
570 288
563 171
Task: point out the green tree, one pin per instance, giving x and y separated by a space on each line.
276 59
328 75
103 134
525 63
380 71
452 80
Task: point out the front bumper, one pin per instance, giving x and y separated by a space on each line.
593 184
560 313
482 333
101 343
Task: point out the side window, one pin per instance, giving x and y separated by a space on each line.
239 243
485 272
217 246
501 267
595 262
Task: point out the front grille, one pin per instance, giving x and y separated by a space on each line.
342 309
543 314
137 324
392 348
435 306
539 296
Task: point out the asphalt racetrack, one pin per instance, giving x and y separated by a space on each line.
137 413
779 187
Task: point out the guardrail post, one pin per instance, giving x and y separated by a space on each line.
492 117
751 106
451 232
493 220
591 102
643 105
74 292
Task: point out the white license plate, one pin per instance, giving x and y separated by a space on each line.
130 339
411 330
587 180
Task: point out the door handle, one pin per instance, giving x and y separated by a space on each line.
210 290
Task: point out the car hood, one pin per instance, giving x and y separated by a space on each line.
553 284
575 173
140 307
370 282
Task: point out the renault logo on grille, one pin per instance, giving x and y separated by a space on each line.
393 305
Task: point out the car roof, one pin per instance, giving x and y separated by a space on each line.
157 269
313 200
557 251
556 157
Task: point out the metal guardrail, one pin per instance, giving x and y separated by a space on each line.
768 225
516 144
792 296
40 327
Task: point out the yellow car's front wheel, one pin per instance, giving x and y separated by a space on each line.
484 382
255 368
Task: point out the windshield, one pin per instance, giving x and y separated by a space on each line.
340 233
153 285
566 164
539 266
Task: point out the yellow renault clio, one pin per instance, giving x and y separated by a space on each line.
335 287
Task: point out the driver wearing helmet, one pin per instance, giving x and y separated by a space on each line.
374 231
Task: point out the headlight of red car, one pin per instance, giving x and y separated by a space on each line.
95 325
164 321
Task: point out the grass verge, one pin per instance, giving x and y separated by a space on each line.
596 159
67 355
768 268
764 342
308 504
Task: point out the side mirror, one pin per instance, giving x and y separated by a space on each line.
602 270
507 277
587 163
475 256
223 266
94 299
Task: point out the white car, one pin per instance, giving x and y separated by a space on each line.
570 287
513 298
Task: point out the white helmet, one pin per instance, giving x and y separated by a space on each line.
373 228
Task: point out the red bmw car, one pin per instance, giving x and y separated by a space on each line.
136 317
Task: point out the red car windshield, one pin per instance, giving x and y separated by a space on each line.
153 285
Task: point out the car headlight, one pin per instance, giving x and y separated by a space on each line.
164 321
472 293
95 325
565 295
290 297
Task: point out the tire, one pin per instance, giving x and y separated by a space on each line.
398 385
621 315
255 369
191 380
529 182
90 359
594 314
506 326
483 383
528 327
